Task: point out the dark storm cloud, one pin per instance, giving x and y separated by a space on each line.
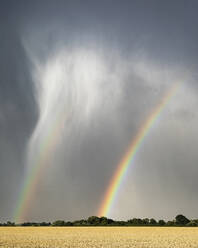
17 109
161 33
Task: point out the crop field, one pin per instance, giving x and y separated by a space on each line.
60 237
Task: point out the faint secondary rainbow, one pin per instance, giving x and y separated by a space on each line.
128 158
35 174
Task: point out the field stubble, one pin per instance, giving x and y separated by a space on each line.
94 237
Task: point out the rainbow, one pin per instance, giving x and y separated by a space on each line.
35 174
129 156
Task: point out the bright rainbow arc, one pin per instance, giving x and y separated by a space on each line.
131 152
35 174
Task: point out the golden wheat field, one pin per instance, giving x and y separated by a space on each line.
60 237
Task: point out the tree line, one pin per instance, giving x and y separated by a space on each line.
180 220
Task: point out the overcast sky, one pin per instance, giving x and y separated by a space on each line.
88 74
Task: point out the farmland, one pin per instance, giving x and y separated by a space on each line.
60 237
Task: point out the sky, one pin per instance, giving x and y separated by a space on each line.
77 81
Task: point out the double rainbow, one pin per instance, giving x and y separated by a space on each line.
50 141
129 156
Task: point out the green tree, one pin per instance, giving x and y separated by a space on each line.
135 222
153 222
161 222
181 220
80 222
44 224
145 221
68 223
105 221
170 223
93 220
59 223
10 223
